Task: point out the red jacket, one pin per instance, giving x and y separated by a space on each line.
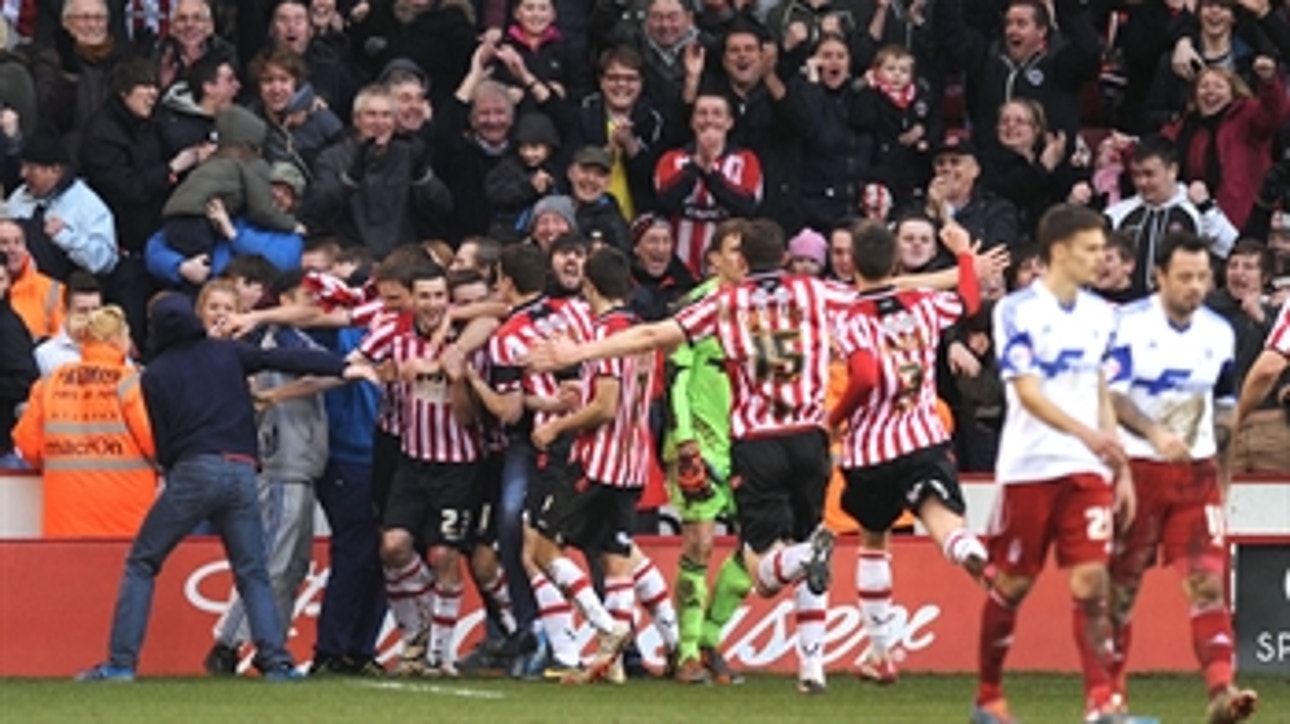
1245 138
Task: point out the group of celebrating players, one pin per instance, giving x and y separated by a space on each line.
1111 451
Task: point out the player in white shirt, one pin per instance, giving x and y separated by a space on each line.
1057 456
1171 375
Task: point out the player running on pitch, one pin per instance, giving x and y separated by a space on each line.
895 452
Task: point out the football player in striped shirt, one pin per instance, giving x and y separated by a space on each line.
1061 467
774 331
523 400
1172 380
594 509
469 287
431 501
896 451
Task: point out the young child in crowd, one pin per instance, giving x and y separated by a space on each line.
523 178
807 253
902 119
237 176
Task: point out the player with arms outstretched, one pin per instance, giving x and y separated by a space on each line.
774 332
895 452
1058 455
1172 383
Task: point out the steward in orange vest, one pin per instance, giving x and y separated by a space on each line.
87 428
36 298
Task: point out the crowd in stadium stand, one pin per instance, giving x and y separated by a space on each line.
256 156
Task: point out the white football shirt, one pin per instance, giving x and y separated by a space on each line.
1065 348
1173 374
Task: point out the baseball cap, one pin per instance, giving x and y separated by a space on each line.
593 156
959 145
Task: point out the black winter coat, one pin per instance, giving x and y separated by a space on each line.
122 160
902 169
604 220
588 129
464 165
654 298
1030 186
181 122
1053 77
769 129
835 157
17 370
510 193
383 205
988 218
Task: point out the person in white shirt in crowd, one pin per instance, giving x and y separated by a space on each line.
82 295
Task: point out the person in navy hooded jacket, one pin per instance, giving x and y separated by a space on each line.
203 422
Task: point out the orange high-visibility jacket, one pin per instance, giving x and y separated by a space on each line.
38 299
87 428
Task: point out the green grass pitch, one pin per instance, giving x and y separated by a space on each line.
1035 699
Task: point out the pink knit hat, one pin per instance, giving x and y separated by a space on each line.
809 244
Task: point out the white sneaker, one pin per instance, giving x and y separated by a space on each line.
611 647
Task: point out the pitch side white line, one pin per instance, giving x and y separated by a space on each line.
424 688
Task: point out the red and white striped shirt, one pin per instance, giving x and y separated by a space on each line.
701 210
368 313
540 319
430 431
1279 338
904 329
774 330
617 453
383 327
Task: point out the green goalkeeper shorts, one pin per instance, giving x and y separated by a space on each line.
721 503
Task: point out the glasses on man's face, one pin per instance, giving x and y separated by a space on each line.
89 17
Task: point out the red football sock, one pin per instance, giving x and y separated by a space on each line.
1092 629
1211 635
998 619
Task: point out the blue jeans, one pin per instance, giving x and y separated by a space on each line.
205 486
353 605
287 514
518 467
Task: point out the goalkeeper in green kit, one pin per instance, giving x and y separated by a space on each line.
699 447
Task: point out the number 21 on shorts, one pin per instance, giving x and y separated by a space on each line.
1099 519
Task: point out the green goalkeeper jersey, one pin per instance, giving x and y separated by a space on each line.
700 398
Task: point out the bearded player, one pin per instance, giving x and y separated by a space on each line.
1173 388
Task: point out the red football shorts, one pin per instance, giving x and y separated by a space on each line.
1180 518
1071 513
